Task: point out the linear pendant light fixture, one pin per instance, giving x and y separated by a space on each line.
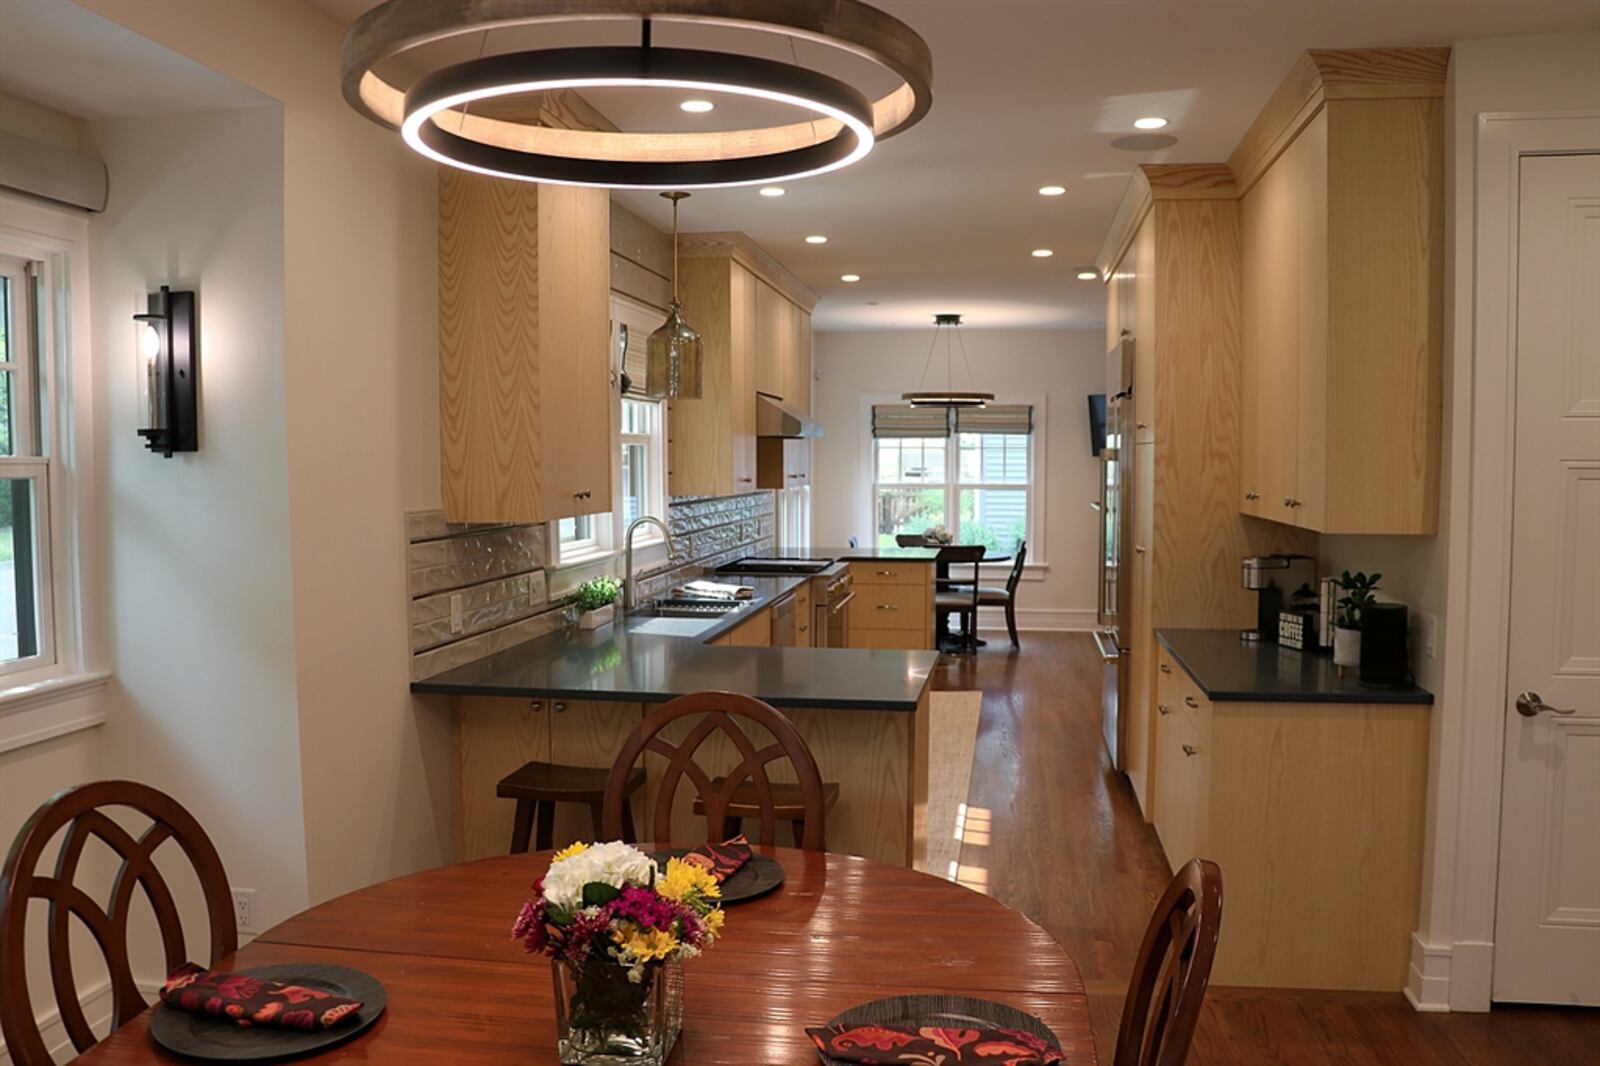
835 124
674 367
950 327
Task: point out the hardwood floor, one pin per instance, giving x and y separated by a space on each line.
1053 832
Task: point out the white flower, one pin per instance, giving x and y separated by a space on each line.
615 864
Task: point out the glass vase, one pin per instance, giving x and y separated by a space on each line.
604 1019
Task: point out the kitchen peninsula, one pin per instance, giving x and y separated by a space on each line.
572 696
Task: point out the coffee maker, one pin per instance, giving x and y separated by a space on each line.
1278 580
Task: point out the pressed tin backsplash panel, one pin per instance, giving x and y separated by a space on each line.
498 574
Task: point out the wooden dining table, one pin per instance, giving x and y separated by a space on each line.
839 932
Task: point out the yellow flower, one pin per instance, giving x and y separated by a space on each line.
682 879
646 945
569 851
714 921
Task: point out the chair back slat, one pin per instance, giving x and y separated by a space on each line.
718 714
1169 981
81 811
1017 562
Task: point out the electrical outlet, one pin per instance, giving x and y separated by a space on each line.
244 909
1430 634
455 612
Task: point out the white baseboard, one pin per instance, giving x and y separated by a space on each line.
1040 619
96 1003
1450 977
1428 982
1471 975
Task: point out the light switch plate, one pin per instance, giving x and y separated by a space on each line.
1430 633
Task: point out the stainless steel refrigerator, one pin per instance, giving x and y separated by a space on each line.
1116 472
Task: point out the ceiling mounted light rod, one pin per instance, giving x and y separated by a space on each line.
673 352
837 124
950 326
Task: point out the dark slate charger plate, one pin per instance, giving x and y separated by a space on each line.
755 878
956 1012
213 1039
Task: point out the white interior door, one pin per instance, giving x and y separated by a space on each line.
1547 921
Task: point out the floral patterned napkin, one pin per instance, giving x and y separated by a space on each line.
248 1001
723 860
894 1045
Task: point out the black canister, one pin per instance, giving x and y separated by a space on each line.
1385 659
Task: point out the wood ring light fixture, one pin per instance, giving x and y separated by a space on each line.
434 114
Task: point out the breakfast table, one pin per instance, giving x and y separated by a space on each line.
840 931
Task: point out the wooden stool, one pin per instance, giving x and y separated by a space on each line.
787 806
539 786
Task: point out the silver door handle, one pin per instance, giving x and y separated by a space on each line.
1531 705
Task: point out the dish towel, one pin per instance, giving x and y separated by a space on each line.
247 1000
722 860
895 1045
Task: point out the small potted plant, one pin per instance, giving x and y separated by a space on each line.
617 929
938 535
1358 589
594 599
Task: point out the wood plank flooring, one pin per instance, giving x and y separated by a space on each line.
1053 832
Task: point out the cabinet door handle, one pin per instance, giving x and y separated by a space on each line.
888 607
1290 501
804 628
1190 750
535 706
887 573
1163 708
746 480
1139 548
1141 425
1189 702
1165 669
560 708
1252 495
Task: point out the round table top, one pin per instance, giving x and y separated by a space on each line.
840 931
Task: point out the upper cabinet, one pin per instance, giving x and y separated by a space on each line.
524 360
754 320
1342 237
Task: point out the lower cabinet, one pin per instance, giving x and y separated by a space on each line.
893 605
1315 813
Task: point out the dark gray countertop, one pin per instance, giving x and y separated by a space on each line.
1231 671
852 555
649 659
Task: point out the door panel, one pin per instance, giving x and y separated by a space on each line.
1547 922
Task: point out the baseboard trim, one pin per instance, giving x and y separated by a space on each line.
96 1003
1472 975
1040 619
1428 980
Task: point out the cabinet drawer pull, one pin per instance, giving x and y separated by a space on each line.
887 573
1252 495
1165 669
560 707
1191 750
536 706
804 628
1189 702
746 480
1139 548
888 606
1290 501
1163 708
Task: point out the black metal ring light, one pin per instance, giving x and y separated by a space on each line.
438 94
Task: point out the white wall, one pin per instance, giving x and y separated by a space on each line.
1062 365
1452 953
197 561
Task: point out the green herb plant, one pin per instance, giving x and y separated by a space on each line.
596 593
1358 595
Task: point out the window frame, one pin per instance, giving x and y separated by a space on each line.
1035 487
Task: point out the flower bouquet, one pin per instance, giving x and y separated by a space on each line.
617 929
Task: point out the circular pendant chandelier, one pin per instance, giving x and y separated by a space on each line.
836 123
949 396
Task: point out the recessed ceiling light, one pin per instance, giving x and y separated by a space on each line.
1052 190
1154 122
1042 253
1087 274
816 238
774 190
700 107
850 277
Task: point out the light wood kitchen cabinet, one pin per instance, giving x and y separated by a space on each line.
775 340
524 393
1342 300
892 606
783 463
797 391
711 441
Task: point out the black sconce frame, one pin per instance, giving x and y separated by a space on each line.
172 314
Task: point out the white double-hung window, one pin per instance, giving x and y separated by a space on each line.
27 624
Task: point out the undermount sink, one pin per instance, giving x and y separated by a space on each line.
690 607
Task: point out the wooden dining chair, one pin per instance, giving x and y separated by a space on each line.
910 540
957 595
745 785
82 811
1169 981
997 596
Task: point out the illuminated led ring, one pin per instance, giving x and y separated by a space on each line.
580 68
391 30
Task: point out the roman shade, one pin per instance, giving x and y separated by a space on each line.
903 420
995 418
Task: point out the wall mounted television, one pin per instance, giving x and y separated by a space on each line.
1097 422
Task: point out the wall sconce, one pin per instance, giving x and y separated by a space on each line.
168 355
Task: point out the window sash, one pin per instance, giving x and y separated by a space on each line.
951 483
36 471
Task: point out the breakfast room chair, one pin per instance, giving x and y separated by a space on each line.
955 596
1006 596
81 811
679 728
1169 981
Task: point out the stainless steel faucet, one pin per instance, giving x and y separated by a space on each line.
628 600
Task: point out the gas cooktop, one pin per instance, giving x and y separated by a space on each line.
756 565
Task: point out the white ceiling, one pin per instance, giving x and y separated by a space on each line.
65 57
1033 92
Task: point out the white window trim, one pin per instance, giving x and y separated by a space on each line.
1038 478
50 694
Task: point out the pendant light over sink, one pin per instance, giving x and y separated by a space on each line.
673 367
455 111
950 327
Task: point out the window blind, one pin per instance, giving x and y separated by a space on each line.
995 418
903 420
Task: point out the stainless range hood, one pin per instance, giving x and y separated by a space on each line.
773 419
